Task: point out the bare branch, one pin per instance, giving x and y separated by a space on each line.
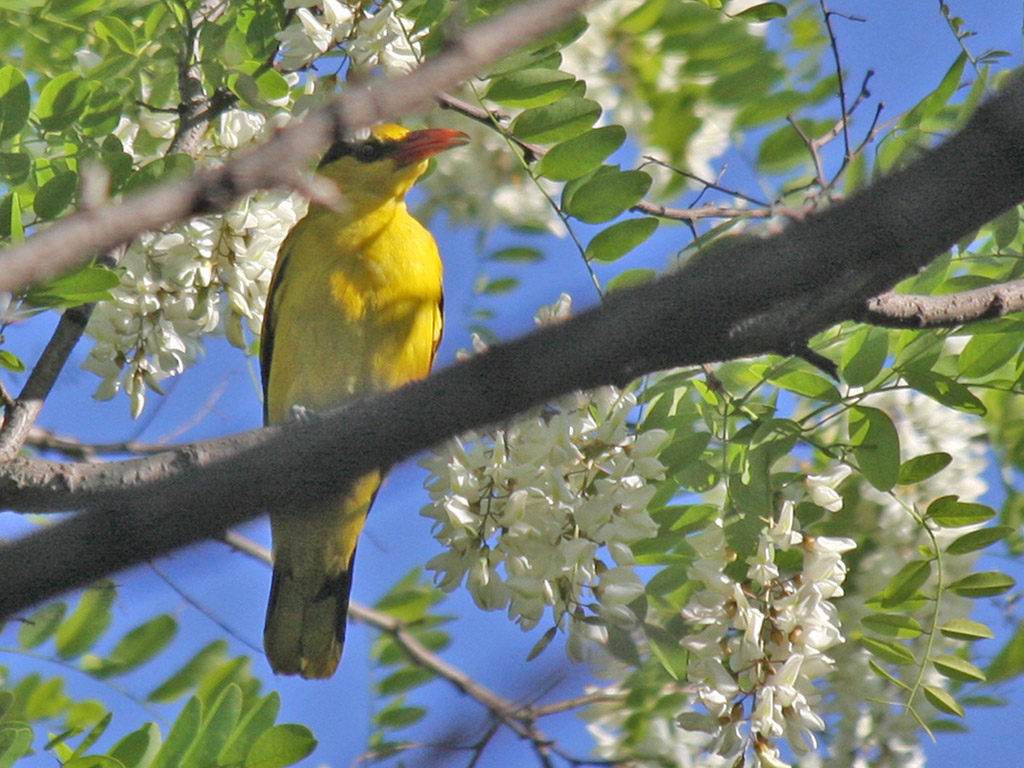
706 211
281 161
897 310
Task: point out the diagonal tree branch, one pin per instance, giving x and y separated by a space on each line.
759 295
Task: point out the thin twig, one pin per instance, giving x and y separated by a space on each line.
834 45
708 184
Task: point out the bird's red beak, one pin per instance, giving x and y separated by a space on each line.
419 145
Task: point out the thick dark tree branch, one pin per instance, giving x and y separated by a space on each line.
282 161
753 297
898 310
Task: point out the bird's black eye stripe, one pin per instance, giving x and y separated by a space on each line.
363 150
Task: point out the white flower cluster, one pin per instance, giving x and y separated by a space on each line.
369 39
762 640
173 282
526 510
868 728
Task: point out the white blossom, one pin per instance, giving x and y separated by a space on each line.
542 511
758 645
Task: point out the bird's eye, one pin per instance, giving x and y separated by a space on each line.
369 150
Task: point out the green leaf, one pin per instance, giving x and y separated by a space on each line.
1009 662
982 584
876 445
54 197
566 118
112 28
685 450
403 680
905 583
138 646
15 167
87 624
888 650
82 287
975 540
40 626
92 761
498 286
280 746
943 700
167 168
950 512
61 101
607 195
944 390
893 625
271 85
15 741
807 383
938 98
922 467
102 113
398 716
218 724
878 670
582 154
46 700
15 101
622 647
138 748
540 645
183 734
665 647
987 352
619 239
518 255
762 12
189 675
956 668
864 355
966 629
259 719
631 278
1005 227
530 87
94 734
11 362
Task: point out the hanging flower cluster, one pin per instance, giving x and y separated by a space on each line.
541 511
761 640
173 282
369 39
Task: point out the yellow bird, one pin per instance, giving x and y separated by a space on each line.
354 308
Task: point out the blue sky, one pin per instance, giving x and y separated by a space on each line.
909 47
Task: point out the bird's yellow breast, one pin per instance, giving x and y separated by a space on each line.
359 312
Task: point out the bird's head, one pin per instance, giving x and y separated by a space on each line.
387 162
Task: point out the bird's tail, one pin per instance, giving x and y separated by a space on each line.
313 556
306 618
